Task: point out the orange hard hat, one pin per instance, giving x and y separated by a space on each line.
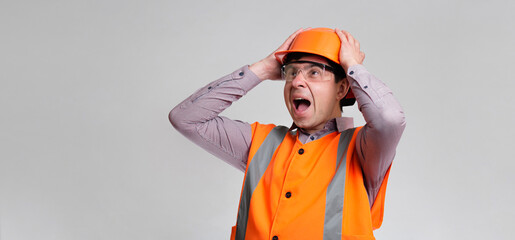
319 41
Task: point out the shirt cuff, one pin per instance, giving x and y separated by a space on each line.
354 71
245 78
358 76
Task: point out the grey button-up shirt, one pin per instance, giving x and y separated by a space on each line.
198 119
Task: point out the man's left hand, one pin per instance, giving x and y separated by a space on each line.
350 53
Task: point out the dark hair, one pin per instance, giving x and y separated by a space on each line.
339 72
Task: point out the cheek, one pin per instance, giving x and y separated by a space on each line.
324 96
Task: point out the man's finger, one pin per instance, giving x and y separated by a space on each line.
349 37
343 38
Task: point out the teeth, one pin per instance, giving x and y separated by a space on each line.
298 99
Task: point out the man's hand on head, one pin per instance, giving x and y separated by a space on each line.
269 67
350 53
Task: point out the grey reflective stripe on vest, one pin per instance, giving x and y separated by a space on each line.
255 171
335 190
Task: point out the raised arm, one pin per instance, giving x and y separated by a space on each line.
385 122
197 117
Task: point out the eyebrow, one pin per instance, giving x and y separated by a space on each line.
313 64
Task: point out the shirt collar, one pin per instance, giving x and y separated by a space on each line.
339 124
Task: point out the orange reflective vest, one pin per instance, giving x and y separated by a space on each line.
305 191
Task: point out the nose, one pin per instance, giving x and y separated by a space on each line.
299 80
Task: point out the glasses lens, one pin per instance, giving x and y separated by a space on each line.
290 72
311 71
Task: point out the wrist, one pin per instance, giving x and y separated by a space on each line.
259 69
347 65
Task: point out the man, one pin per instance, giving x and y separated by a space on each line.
321 178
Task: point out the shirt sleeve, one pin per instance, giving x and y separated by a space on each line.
385 121
197 117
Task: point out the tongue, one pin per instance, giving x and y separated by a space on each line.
303 105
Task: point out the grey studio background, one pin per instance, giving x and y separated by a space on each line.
87 151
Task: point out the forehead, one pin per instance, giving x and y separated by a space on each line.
314 58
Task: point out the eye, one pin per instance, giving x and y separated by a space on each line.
315 72
291 72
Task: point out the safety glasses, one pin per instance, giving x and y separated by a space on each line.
311 71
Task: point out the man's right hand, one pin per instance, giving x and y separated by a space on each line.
269 67
350 52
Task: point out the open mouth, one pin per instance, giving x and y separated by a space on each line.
301 104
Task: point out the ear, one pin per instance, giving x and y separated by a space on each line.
343 88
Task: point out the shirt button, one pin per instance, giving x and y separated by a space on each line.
301 151
288 195
275 238
365 87
351 72
312 137
241 73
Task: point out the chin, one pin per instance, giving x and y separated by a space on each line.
303 124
